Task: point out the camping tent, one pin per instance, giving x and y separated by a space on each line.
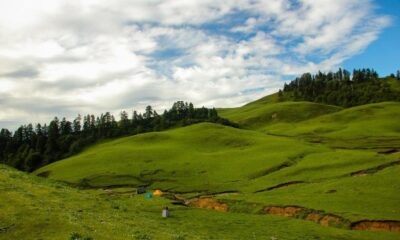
157 192
140 191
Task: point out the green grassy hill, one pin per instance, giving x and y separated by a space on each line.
37 208
309 161
368 126
200 158
357 127
264 113
371 120
208 159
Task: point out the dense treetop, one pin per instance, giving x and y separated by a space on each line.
342 88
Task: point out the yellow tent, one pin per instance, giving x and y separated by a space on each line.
157 193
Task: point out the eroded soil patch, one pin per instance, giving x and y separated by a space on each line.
298 212
316 216
392 226
290 211
208 203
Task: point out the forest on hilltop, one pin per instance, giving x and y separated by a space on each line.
29 147
342 88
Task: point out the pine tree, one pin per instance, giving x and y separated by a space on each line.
124 122
65 127
148 112
52 146
77 125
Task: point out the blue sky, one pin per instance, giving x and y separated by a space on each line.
384 53
127 54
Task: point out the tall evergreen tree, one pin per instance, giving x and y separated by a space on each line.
52 146
148 112
77 124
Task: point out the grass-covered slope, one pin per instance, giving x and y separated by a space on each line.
375 120
328 180
334 183
368 126
203 157
320 158
36 208
266 112
209 158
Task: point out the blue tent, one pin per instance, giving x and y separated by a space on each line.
149 195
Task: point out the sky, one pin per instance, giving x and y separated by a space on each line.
64 58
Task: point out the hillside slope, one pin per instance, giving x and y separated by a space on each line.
203 157
374 126
368 126
264 112
337 167
36 208
209 159
371 120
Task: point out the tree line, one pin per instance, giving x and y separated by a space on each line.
341 88
31 147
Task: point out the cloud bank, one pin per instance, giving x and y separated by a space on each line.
60 57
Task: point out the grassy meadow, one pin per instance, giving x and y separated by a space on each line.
343 162
37 208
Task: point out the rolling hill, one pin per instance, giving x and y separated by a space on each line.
307 162
334 126
249 169
259 115
203 157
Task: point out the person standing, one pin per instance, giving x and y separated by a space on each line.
165 212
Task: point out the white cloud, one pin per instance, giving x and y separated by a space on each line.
60 57
248 26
